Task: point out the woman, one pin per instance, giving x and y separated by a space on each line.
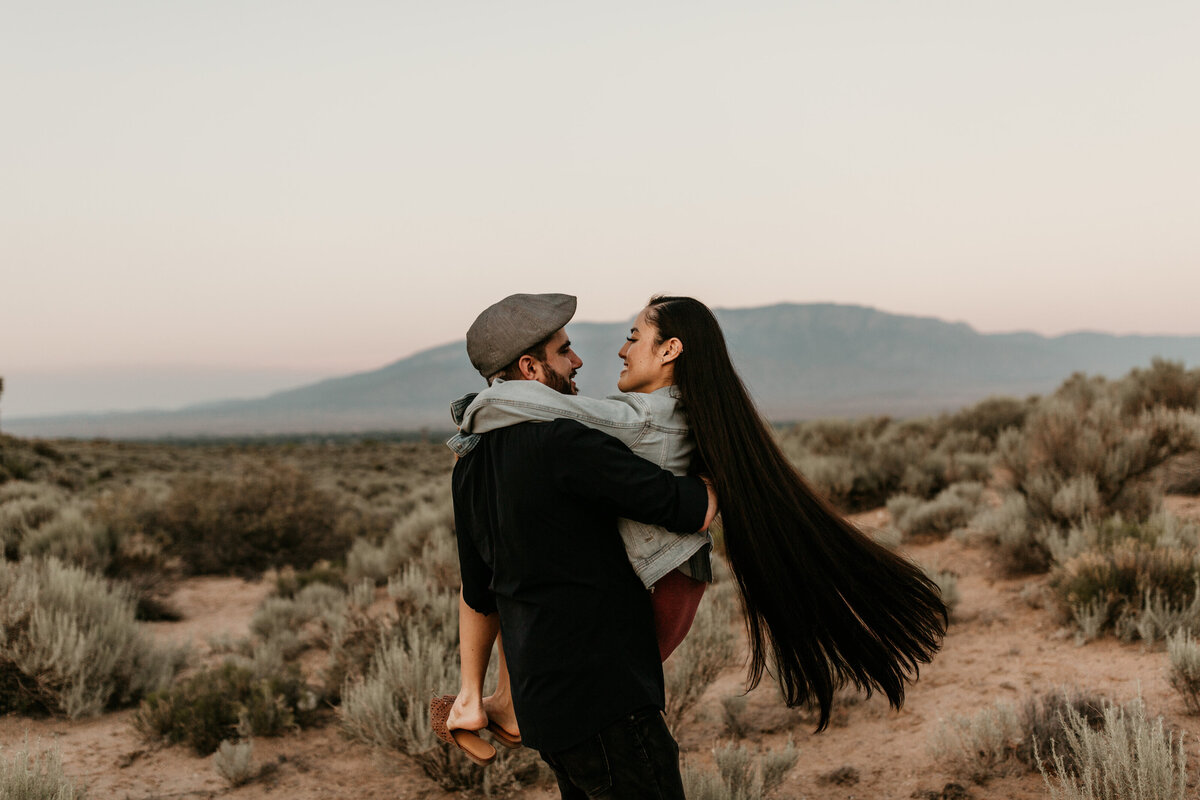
825 604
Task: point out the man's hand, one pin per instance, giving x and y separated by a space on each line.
712 502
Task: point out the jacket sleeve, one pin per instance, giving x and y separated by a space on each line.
624 416
599 469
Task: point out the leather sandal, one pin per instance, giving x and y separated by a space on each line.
509 740
469 742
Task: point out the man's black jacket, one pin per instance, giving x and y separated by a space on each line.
536 507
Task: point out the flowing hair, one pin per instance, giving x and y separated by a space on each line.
825 604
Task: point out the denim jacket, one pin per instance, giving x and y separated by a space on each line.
652 425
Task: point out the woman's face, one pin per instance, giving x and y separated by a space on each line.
647 366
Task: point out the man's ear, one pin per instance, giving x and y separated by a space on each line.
670 350
528 365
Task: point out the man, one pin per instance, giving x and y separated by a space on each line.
536 508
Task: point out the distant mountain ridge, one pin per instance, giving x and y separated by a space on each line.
799 360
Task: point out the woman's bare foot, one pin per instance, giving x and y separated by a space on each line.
467 715
499 709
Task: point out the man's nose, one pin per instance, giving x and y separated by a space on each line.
576 360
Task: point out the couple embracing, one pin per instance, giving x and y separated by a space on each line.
581 526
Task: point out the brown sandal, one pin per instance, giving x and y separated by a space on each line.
469 742
509 740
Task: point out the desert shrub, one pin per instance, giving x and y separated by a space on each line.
23 508
1128 756
1165 384
426 525
35 775
1184 654
283 619
858 464
1159 618
264 517
15 464
708 648
1181 475
354 637
1084 454
1128 577
1043 717
69 642
288 581
947 583
991 417
236 699
388 707
71 537
980 746
234 761
1009 527
741 773
953 508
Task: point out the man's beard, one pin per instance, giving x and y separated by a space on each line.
559 383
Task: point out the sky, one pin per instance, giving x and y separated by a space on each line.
218 199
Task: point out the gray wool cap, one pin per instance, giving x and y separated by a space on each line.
506 330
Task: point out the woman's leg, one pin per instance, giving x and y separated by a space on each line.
476 633
674 599
499 705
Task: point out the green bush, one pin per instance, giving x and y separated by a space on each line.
265 517
236 699
1128 756
69 642
953 508
35 775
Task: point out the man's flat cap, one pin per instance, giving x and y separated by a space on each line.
506 330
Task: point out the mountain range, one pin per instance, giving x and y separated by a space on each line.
800 361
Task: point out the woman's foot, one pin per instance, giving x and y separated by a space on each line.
466 715
498 709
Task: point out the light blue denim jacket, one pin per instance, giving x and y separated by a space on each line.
652 425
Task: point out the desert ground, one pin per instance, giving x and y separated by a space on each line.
1003 644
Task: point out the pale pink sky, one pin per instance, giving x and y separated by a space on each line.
302 189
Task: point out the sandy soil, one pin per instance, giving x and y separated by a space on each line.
999 647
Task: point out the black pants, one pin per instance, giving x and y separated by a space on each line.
634 758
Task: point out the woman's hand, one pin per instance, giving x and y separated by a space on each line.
712 502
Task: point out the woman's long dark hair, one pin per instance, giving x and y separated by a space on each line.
826 601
